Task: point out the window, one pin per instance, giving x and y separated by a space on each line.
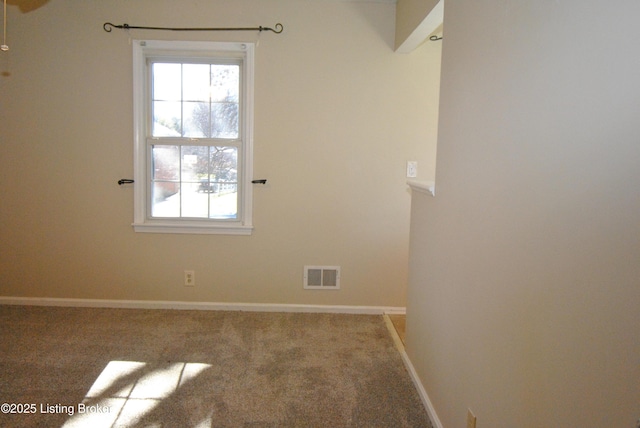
193 137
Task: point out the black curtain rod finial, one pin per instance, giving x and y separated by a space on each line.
279 28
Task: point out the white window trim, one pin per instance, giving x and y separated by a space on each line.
142 222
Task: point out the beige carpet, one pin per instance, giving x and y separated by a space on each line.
154 368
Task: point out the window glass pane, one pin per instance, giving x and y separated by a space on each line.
165 181
165 199
225 204
167 82
195 163
224 182
195 166
225 83
167 119
197 120
224 120
196 80
166 163
224 164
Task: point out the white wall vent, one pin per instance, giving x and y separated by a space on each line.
322 277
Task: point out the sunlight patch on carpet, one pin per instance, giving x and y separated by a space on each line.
125 391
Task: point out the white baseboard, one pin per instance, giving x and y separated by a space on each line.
421 391
396 311
203 306
426 402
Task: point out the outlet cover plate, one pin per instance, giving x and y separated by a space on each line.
189 278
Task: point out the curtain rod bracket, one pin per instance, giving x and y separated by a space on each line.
108 27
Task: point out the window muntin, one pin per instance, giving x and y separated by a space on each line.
195 100
194 182
193 132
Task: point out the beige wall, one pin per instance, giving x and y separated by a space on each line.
337 116
524 280
409 15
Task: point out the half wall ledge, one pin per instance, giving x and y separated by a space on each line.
428 187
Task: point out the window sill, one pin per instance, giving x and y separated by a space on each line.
428 187
193 229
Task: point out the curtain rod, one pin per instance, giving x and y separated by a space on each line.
109 26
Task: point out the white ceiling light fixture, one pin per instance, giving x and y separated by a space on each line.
4 47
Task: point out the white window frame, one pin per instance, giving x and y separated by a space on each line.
143 222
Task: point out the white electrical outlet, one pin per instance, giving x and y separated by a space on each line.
412 169
189 278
